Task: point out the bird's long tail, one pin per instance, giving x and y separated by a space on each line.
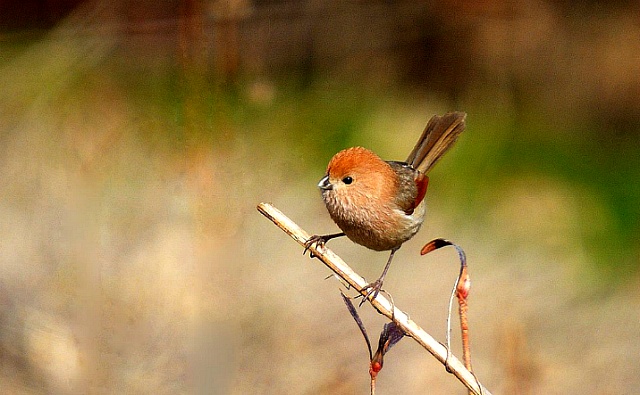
438 136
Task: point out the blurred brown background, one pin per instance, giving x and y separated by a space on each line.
136 139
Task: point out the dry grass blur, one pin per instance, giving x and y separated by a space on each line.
132 259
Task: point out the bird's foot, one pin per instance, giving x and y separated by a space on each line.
319 241
372 290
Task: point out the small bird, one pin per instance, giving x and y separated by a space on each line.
380 204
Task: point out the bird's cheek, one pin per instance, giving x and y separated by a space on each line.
334 199
329 197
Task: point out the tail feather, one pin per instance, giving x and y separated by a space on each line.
438 136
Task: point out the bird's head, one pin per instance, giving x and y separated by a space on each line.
357 177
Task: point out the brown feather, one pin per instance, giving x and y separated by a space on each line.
438 136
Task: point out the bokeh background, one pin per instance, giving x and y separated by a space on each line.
137 138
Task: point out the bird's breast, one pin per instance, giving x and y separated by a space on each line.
376 226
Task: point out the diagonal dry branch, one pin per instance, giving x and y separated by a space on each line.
380 303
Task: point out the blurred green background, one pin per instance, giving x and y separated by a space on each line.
136 139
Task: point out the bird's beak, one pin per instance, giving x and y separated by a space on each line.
324 184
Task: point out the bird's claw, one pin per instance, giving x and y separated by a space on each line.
318 240
372 291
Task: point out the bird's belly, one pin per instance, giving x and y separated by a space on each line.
384 232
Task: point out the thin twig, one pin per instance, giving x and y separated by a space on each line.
463 306
380 303
460 290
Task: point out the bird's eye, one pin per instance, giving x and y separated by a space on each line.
347 180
